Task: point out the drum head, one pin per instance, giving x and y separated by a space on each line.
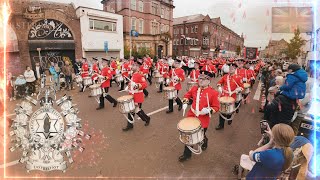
168 88
246 85
124 98
189 124
94 86
86 78
227 99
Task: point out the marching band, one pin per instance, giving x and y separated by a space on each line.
133 76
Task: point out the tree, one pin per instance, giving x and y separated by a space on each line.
294 47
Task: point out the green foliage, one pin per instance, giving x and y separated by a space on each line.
294 47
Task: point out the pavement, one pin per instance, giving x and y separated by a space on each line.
152 151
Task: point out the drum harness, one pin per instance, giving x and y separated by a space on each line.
230 93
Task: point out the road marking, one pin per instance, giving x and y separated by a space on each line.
258 92
10 164
159 110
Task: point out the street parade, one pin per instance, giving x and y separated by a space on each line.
223 111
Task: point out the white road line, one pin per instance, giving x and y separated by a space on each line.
258 92
159 110
10 164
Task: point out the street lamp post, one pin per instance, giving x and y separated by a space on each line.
130 33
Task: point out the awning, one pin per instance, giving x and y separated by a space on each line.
51 45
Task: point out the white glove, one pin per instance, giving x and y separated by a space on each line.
176 78
239 89
244 79
118 71
205 110
132 84
220 89
167 81
184 106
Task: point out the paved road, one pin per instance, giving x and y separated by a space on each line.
152 151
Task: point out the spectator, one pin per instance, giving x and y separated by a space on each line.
295 85
55 76
30 78
58 70
274 157
38 71
190 65
10 87
68 71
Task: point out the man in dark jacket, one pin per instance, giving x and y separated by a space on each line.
283 106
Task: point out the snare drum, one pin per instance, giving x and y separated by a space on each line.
126 104
78 79
227 105
155 73
246 88
191 84
87 81
159 78
119 78
96 90
191 132
169 92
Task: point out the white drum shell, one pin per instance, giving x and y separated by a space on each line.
119 78
159 80
127 106
87 81
96 91
239 97
191 137
170 94
78 79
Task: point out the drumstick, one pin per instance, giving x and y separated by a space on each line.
208 104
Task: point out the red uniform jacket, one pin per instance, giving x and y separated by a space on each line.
194 75
85 70
95 70
138 95
144 68
125 69
106 72
177 72
164 70
234 81
210 68
113 65
251 74
203 103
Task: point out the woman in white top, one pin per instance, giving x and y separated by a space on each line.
30 78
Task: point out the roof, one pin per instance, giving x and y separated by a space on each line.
216 20
188 19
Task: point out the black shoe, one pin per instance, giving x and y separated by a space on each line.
147 122
184 158
100 107
169 111
120 90
127 128
229 122
237 111
179 108
115 104
219 127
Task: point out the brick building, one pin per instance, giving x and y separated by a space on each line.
152 19
42 32
199 35
275 49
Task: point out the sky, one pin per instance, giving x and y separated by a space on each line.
250 17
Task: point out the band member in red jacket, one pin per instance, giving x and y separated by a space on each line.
195 72
95 70
164 71
229 85
136 85
84 71
106 76
209 67
125 71
177 76
201 95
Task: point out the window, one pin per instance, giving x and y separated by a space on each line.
162 12
154 28
140 6
161 28
141 26
185 41
102 25
133 5
191 42
186 30
167 13
195 42
192 29
181 41
181 30
133 24
196 29
206 28
154 8
205 41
